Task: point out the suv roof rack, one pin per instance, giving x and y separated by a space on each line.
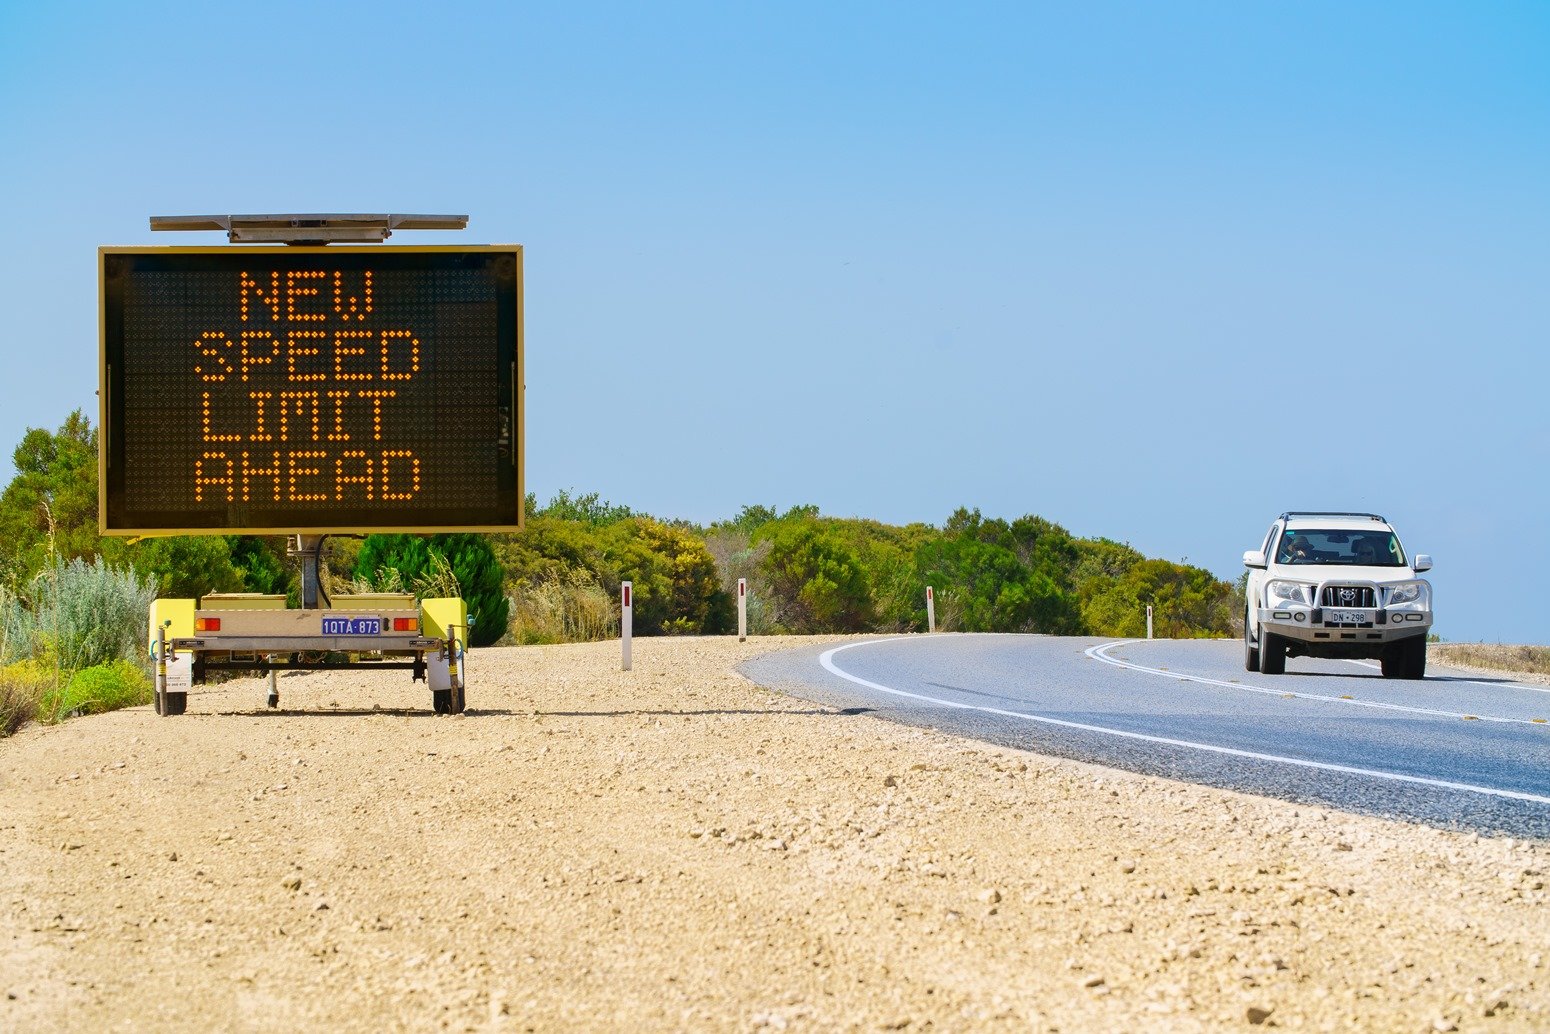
1331 513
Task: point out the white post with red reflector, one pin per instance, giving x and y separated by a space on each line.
626 619
742 610
1149 621
930 610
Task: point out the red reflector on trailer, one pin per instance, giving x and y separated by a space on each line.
207 624
406 624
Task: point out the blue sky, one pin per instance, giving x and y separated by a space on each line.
1155 272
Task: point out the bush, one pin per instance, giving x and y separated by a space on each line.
590 509
393 561
676 588
815 576
737 557
99 688
260 563
1001 577
82 614
186 566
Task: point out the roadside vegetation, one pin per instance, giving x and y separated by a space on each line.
74 604
1529 660
71 642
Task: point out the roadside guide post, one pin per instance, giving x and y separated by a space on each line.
742 610
930 610
1149 621
626 620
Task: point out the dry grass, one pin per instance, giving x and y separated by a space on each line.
566 609
1531 660
18 703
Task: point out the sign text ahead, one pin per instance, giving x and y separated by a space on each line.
311 389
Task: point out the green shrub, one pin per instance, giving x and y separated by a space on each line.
99 688
590 509
815 576
260 562
188 566
82 613
436 565
737 557
1002 577
676 588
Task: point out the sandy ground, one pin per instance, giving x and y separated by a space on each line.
676 849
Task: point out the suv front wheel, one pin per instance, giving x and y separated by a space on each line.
1405 659
1250 650
1272 653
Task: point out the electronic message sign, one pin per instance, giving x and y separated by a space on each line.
315 389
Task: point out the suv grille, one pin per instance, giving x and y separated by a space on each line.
1348 596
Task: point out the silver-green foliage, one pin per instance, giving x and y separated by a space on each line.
79 613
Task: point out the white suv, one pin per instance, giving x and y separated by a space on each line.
1336 585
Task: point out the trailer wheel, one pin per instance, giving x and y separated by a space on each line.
174 703
448 701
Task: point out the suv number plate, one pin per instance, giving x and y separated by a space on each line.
352 626
1347 617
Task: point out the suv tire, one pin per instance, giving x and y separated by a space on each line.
1250 650
1272 654
1405 659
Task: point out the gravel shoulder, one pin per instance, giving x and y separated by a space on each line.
676 848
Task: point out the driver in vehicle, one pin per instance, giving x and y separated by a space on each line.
1295 550
1366 553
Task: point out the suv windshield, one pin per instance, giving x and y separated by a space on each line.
1354 548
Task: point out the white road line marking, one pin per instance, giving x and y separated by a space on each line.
827 660
1498 684
1098 653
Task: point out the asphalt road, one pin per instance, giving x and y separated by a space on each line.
1455 750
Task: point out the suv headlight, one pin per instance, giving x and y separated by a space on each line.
1288 593
1408 594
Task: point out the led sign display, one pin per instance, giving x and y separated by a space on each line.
311 389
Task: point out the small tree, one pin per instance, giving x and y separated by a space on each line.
185 566
50 508
816 576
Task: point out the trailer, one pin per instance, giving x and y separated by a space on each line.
256 633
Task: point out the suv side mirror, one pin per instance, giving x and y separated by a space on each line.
1254 558
1423 562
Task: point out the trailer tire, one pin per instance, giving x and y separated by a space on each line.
448 701
174 703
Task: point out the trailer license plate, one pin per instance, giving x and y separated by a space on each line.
352 626
1347 617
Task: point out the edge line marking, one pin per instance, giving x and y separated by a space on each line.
827 661
1498 684
1099 653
